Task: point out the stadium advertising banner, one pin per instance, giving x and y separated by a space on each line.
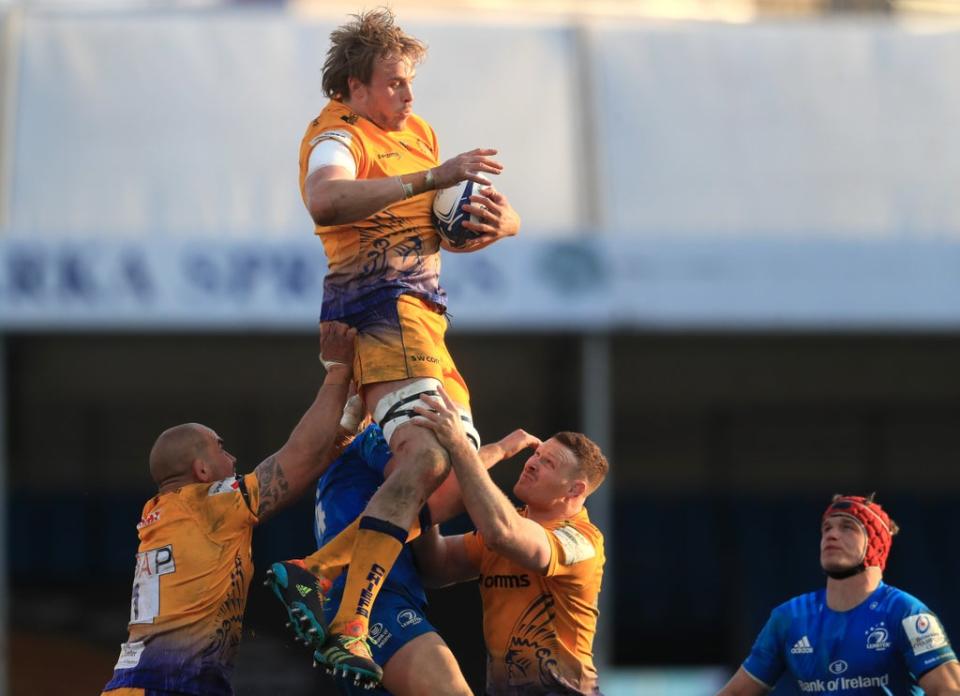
591 283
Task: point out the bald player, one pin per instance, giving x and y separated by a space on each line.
194 563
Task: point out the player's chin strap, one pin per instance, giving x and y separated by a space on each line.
396 408
848 573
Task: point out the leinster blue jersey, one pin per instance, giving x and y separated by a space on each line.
342 494
882 646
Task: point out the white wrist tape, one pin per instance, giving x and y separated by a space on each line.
353 412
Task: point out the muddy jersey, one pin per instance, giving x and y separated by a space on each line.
539 629
881 646
193 570
394 251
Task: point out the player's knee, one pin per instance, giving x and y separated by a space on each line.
433 467
421 458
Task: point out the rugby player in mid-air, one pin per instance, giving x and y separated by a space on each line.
368 167
859 635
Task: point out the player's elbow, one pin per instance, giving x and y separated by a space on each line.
322 210
322 204
498 536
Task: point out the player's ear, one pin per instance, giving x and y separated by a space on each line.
578 487
356 87
201 472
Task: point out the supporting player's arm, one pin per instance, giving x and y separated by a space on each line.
742 684
286 475
334 196
443 560
504 530
942 681
447 501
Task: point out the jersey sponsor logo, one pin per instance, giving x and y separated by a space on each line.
802 647
130 655
147 520
385 155
145 598
350 118
505 581
576 547
408 617
420 357
838 667
228 485
924 633
379 635
818 686
878 638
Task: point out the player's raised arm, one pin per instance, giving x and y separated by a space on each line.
286 475
447 501
504 530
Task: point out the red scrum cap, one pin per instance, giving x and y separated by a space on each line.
874 521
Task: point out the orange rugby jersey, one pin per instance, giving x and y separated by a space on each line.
190 585
395 251
539 629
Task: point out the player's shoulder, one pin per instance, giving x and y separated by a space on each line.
895 601
806 604
214 492
420 127
578 537
335 122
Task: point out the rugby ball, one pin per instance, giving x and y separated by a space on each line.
448 215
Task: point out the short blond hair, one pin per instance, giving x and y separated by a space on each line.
356 46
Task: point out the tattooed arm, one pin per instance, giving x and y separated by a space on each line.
286 475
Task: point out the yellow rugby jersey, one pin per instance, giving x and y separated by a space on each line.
539 629
395 251
193 570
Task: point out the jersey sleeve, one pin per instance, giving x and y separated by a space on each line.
924 641
574 549
349 137
765 662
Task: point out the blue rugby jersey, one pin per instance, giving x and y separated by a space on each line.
342 494
882 646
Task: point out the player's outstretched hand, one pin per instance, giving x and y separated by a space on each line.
516 442
337 344
467 165
497 218
443 418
